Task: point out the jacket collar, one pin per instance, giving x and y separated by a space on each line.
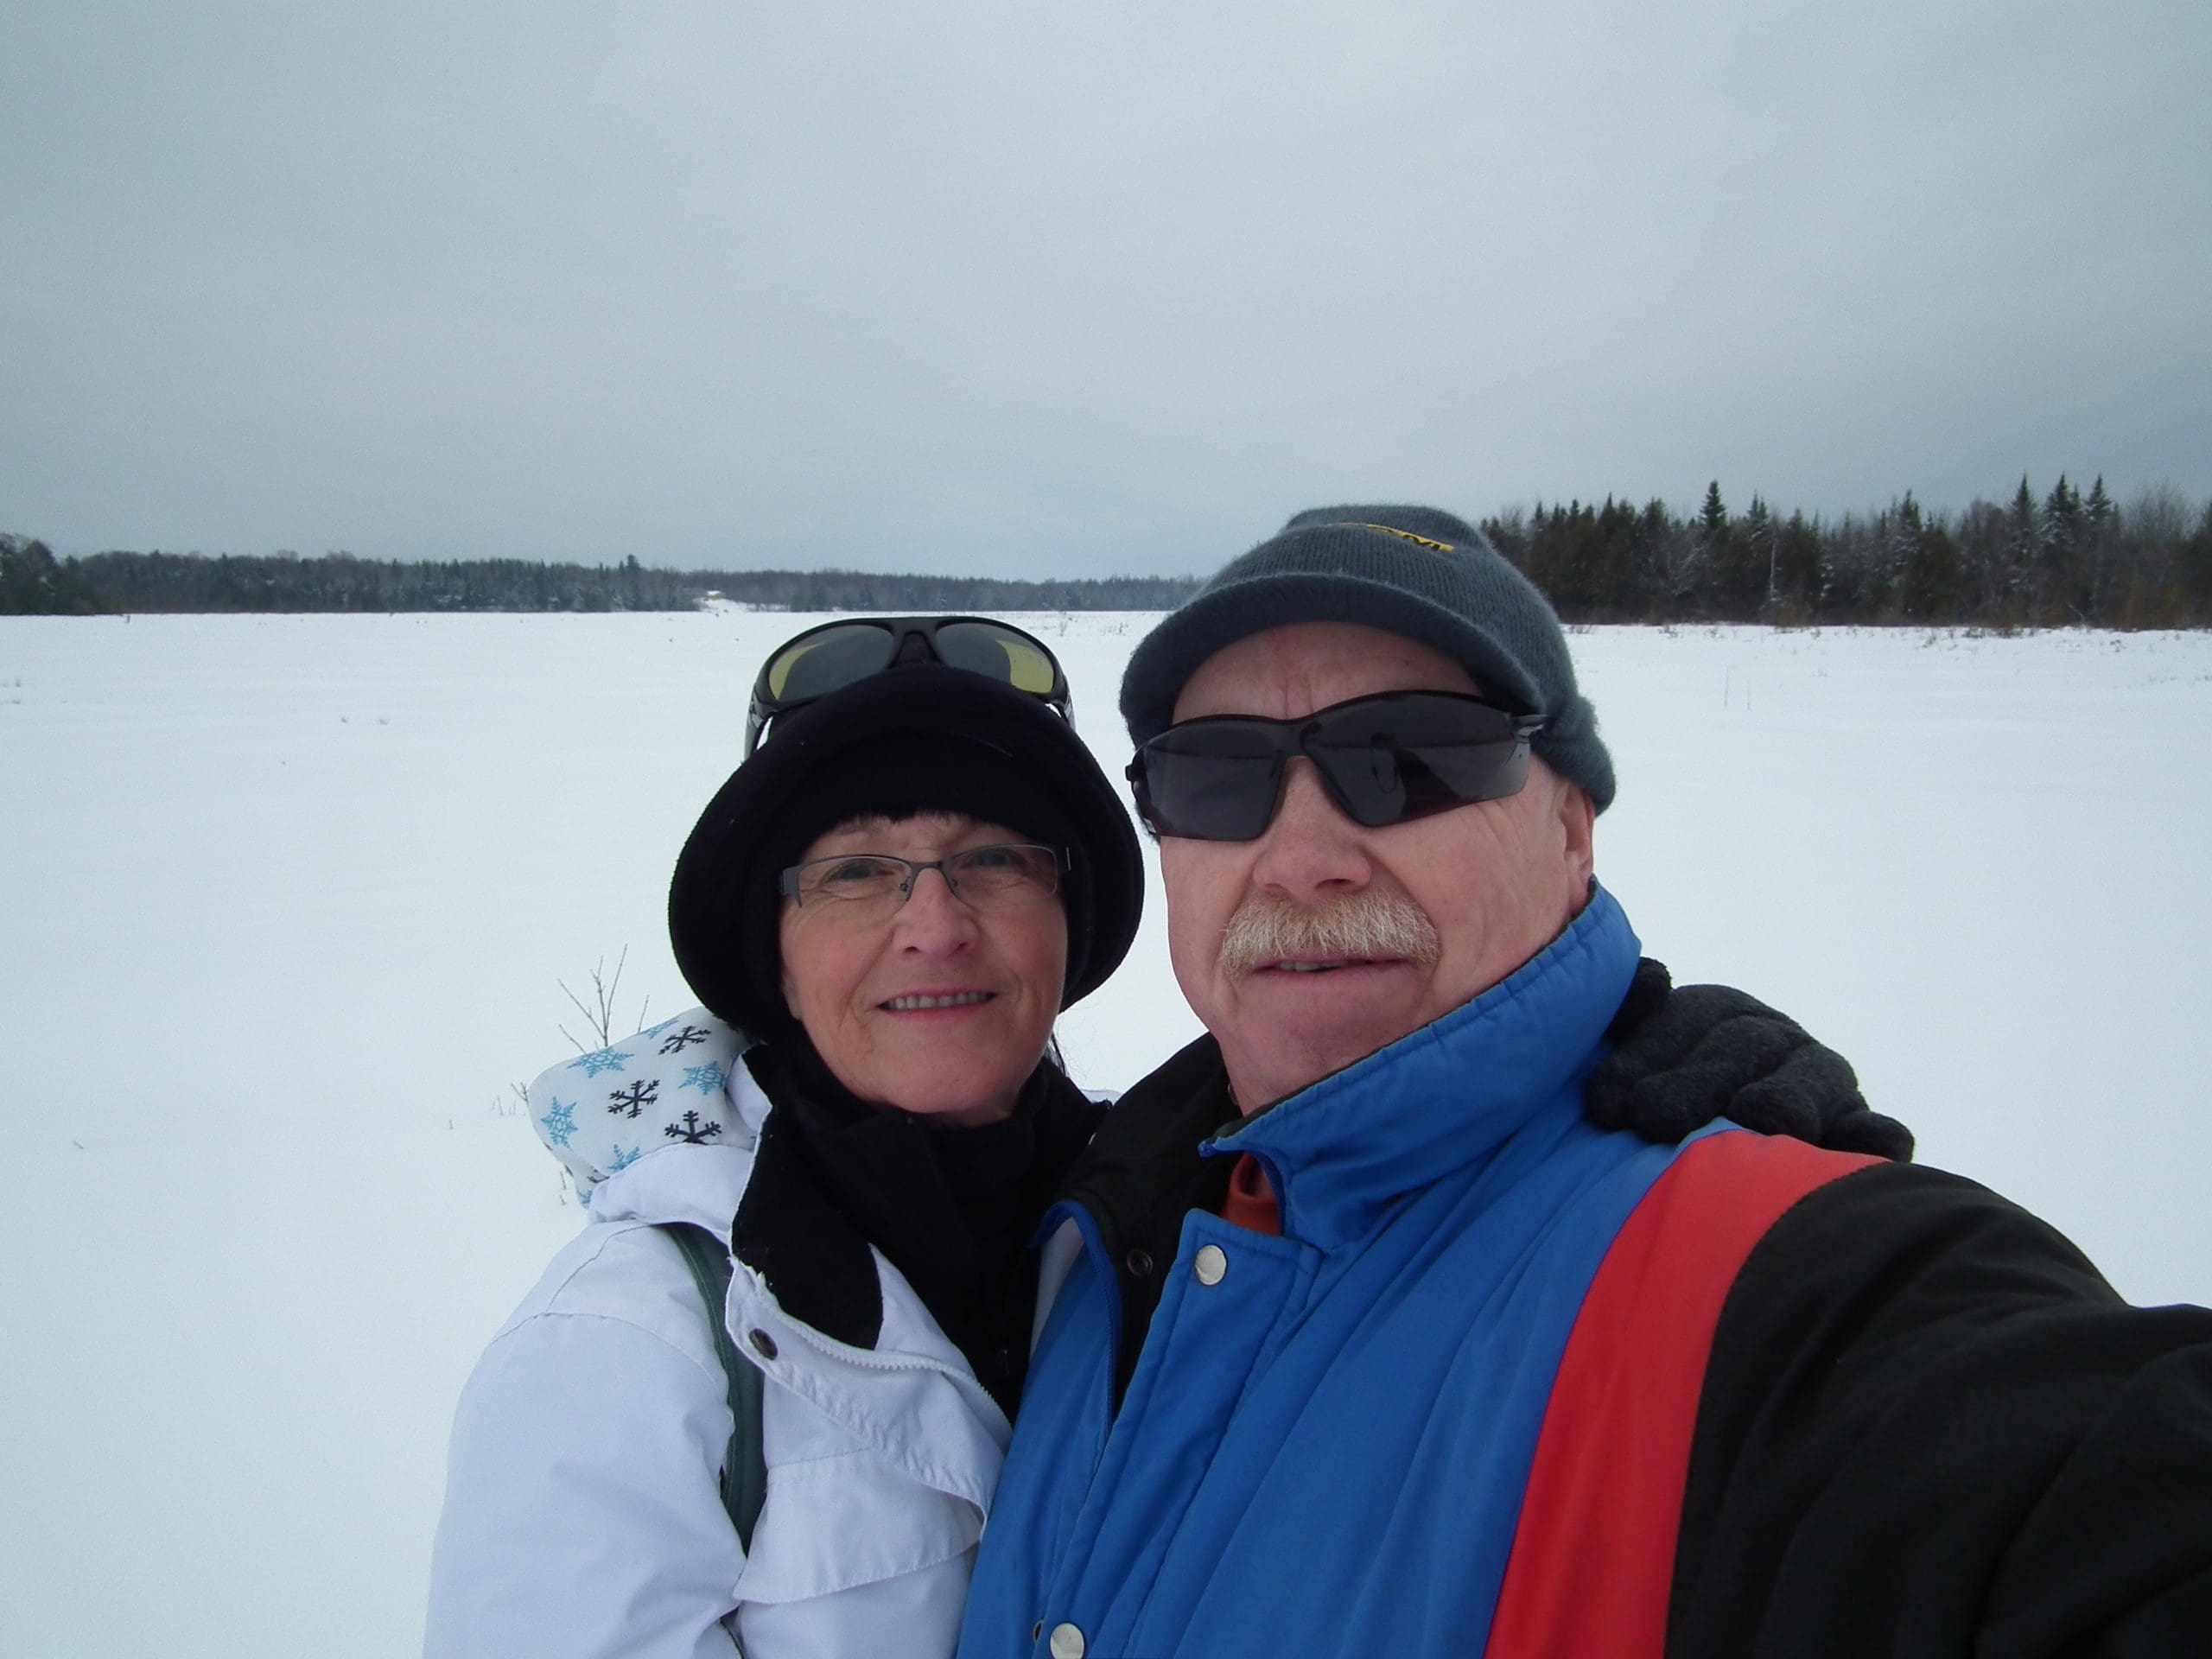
1449 1095
1440 1099
698 1185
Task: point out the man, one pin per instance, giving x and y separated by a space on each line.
1368 1340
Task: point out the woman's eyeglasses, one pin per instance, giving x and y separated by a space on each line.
837 654
861 887
1383 759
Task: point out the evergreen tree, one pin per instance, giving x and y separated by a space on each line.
1713 517
1651 548
2060 585
1928 580
2023 556
1674 558
1985 561
1614 596
1850 559
1797 569
2100 528
1507 531
1901 534
33 584
1733 582
1762 543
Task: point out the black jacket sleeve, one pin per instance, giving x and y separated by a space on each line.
1929 1426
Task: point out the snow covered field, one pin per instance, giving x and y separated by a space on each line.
286 900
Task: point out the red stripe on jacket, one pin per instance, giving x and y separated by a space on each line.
1593 1553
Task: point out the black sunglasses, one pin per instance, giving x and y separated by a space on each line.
835 655
1383 759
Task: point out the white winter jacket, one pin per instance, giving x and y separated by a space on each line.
583 1511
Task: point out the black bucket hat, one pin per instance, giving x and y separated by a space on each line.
921 737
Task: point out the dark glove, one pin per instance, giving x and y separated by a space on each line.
1684 1057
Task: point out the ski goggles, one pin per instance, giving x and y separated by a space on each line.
812 665
1383 759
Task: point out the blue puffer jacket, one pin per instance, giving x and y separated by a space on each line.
1331 1430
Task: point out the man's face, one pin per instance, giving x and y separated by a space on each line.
1495 880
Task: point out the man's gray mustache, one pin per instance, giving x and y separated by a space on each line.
1368 924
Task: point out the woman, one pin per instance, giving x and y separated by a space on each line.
882 910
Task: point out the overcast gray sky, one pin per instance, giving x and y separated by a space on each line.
1078 287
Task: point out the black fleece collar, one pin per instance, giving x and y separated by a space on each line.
1143 1173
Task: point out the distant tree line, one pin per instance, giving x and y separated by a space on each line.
2060 558
341 582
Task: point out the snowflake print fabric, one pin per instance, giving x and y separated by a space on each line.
558 1126
602 1111
683 1038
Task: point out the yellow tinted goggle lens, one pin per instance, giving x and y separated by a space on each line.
834 658
1027 668
779 672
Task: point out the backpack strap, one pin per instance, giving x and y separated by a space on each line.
745 1468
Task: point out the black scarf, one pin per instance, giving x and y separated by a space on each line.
952 1209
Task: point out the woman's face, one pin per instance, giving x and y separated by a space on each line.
938 1007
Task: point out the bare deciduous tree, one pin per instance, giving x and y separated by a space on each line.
599 1012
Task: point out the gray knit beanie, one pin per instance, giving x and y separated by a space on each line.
1415 571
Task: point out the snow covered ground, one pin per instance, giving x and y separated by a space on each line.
286 900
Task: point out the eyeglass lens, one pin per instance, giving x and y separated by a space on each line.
980 875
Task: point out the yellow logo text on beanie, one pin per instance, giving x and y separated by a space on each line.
1438 547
